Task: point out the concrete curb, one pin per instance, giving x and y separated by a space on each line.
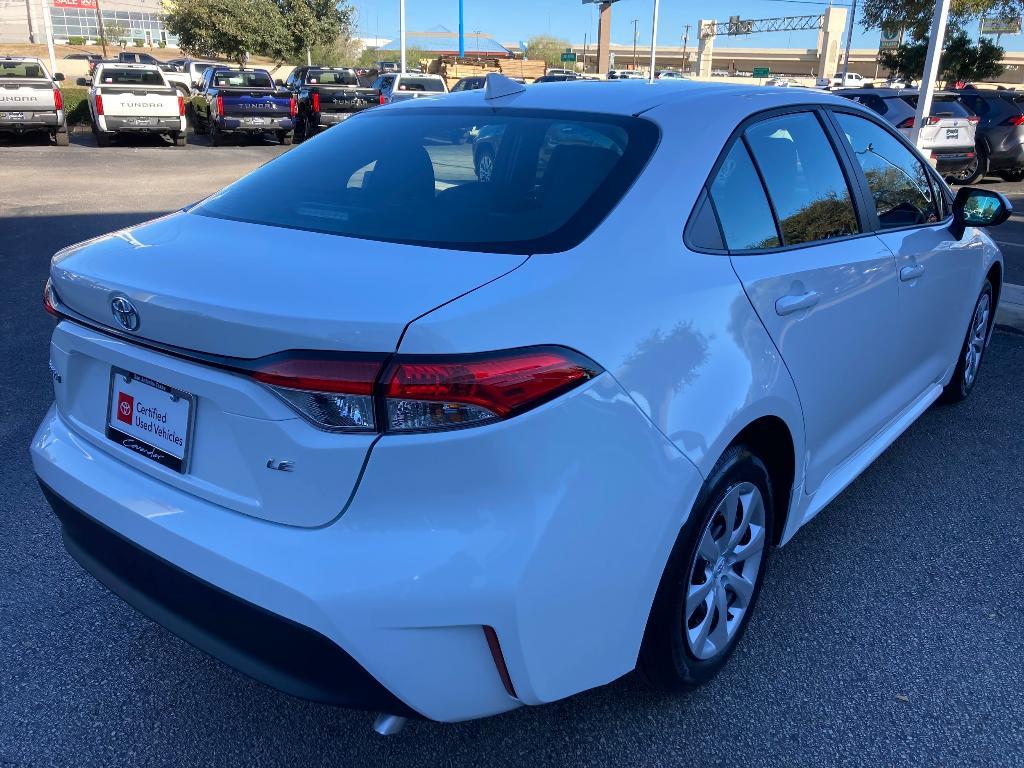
1011 307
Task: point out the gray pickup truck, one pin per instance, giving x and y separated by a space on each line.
30 99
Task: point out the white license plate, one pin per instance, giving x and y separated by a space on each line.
150 418
254 120
952 133
141 121
13 115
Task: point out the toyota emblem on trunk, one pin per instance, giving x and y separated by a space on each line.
125 313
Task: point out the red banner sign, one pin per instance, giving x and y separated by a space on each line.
73 3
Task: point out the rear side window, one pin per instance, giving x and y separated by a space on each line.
509 181
899 183
804 179
977 104
742 208
130 77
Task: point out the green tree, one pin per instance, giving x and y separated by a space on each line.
915 16
230 28
310 23
547 48
962 59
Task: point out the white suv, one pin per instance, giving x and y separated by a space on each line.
397 437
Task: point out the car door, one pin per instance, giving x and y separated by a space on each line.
825 290
934 268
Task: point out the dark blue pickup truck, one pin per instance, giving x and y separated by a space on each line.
241 101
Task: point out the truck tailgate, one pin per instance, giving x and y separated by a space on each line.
36 96
132 102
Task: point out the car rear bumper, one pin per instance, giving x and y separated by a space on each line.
264 645
327 119
552 528
952 160
32 121
132 125
236 125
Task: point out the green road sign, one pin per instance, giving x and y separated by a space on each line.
762 71
568 56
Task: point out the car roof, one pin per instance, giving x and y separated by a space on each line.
33 59
631 97
889 92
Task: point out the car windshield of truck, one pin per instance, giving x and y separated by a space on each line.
432 84
12 69
130 77
246 79
943 105
331 77
506 181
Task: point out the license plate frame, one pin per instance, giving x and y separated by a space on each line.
255 121
952 133
140 445
13 116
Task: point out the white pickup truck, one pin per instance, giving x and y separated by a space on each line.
135 98
30 99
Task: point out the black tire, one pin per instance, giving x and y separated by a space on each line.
62 138
216 136
301 129
973 172
180 139
102 139
964 378
666 659
285 137
1011 174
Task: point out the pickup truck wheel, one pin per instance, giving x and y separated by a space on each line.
102 139
180 139
1012 174
62 138
216 137
285 137
301 130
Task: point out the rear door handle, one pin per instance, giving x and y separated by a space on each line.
787 305
911 273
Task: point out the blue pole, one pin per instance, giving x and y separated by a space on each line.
462 37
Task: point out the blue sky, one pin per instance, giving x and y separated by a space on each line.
519 19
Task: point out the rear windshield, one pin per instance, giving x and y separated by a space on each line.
943 106
432 84
329 77
246 79
11 69
508 181
130 77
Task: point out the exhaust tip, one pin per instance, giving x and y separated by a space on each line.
388 725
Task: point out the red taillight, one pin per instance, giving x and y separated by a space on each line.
293 107
932 120
99 104
49 300
973 119
316 102
908 123
181 106
383 99
220 106
58 99
438 393
418 393
1015 120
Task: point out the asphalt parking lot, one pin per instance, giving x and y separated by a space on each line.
890 631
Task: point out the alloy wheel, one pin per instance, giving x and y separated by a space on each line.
725 571
976 340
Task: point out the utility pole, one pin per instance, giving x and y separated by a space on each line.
401 33
931 68
654 40
584 53
48 31
849 39
103 34
635 22
462 36
686 42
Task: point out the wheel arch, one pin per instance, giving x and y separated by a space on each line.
771 440
995 276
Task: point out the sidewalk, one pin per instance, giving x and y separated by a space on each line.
1011 307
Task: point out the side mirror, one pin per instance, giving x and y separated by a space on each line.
86 81
197 85
58 77
974 207
279 83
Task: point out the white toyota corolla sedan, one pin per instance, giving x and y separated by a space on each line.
382 434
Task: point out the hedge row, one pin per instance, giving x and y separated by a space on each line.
76 105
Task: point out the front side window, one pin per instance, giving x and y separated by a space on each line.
521 181
899 183
743 211
804 179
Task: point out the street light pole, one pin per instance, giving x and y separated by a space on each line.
931 68
401 32
654 39
635 22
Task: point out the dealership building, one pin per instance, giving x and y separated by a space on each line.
21 21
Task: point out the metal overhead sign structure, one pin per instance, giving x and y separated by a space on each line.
737 26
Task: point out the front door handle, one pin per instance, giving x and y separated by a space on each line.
911 273
787 305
